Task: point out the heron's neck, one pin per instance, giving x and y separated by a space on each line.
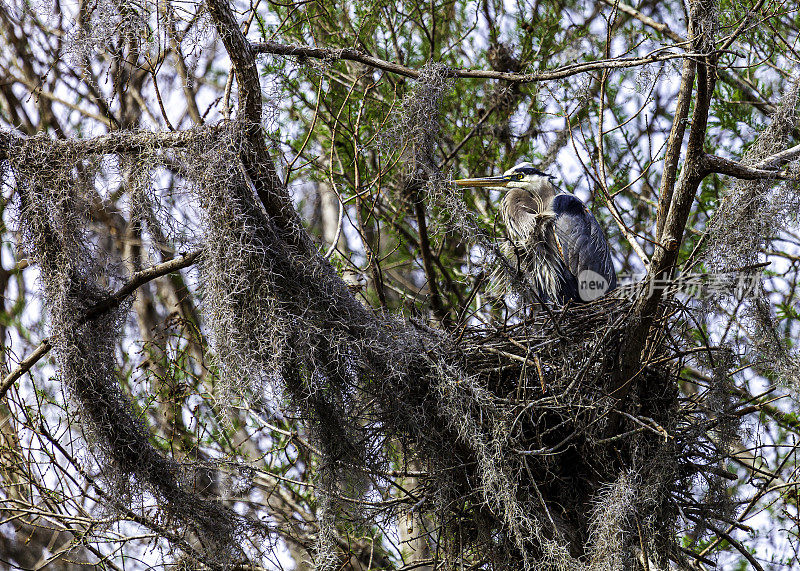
544 191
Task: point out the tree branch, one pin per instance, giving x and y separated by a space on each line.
725 76
779 159
136 281
332 54
117 142
666 254
738 546
139 279
427 263
646 20
24 366
719 165
256 160
674 144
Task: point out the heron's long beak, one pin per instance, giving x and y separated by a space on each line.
496 181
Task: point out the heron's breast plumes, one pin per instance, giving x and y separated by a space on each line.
519 209
539 257
533 247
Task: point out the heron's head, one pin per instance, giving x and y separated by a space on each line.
523 175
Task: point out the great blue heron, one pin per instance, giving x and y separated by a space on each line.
556 240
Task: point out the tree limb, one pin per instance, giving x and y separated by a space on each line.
674 144
136 281
256 160
719 165
780 158
666 254
333 54
117 142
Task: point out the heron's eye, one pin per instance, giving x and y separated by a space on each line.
517 176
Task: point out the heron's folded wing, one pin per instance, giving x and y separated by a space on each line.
583 245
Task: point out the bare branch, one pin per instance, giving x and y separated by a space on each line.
257 162
646 20
719 165
780 158
674 144
665 256
738 546
24 366
137 280
331 54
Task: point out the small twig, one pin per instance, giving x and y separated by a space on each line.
160 101
643 547
738 546
657 429
700 558
522 360
539 372
621 436
24 366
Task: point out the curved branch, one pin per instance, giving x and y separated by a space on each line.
243 59
665 255
139 279
780 158
24 366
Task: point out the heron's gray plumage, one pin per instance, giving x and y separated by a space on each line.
553 237
531 226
